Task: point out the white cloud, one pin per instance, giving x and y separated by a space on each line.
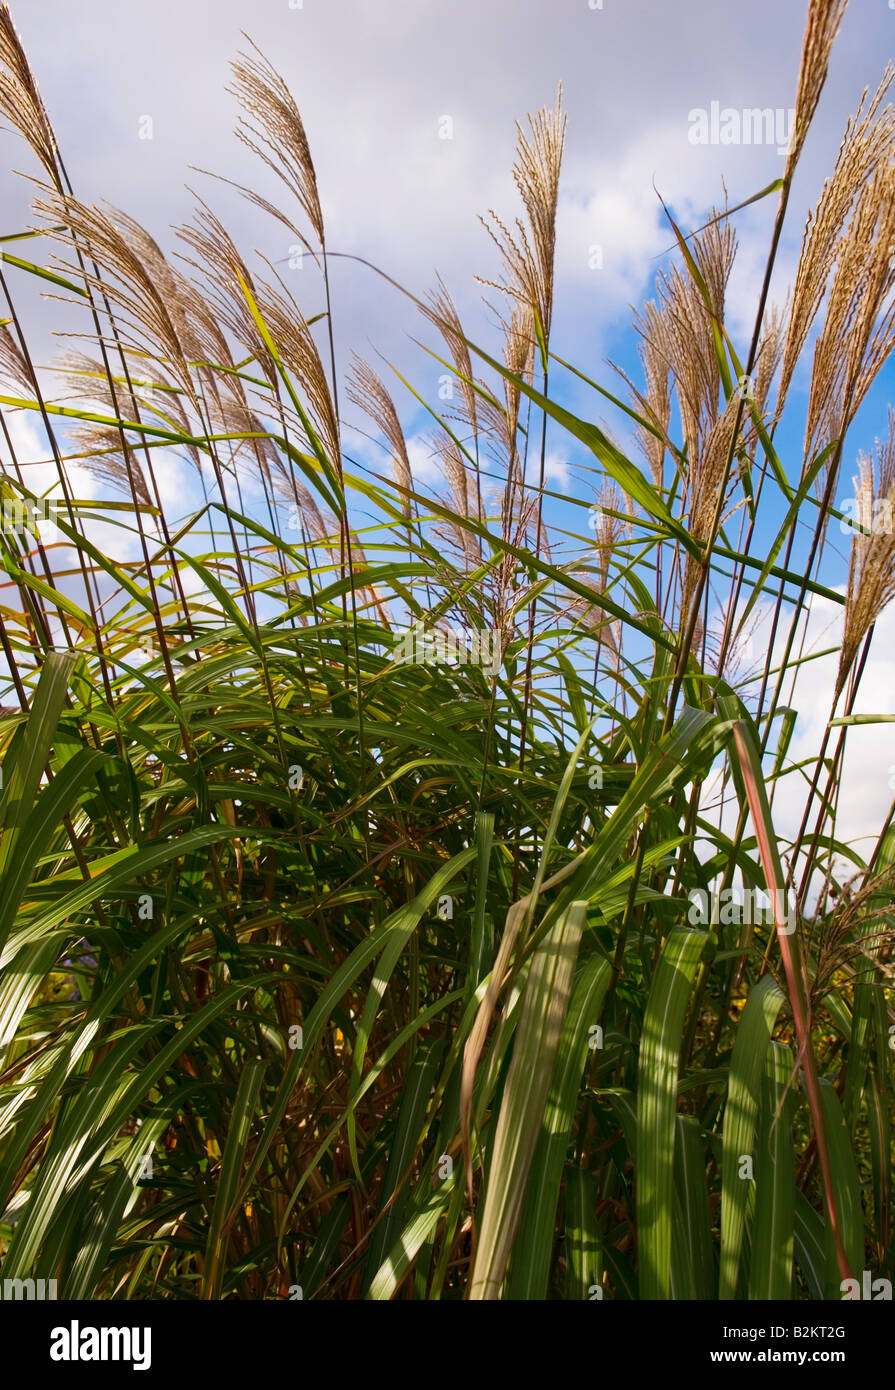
557 471
425 463
373 81
867 783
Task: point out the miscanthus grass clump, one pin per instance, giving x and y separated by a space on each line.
329 970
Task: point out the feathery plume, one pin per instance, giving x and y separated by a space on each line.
135 278
367 390
528 253
13 363
871 571
106 459
292 490
859 327
654 401
291 332
824 18
609 531
868 144
518 357
20 100
272 129
219 261
442 312
680 329
856 934
231 414
704 481
104 455
455 473
221 266
768 357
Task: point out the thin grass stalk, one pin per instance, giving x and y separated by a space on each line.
793 969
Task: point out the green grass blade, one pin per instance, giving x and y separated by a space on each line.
692 1256
481 945
584 1252
414 1101
530 1266
750 1049
770 1272
657 1076
847 1190
242 1118
538 1033
810 1247
419 1230
23 779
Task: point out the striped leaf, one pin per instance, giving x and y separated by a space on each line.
530 1267
414 1100
538 1034
740 1113
584 1251
657 1077
692 1256
770 1270
847 1190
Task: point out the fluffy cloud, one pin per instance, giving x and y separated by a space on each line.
375 82
867 785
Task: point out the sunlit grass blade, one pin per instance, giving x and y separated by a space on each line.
749 760
408 1126
770 1268
537 1040
657 1077
242 1118
750 1049
847 1188
530 1265
692 1256
584 1254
